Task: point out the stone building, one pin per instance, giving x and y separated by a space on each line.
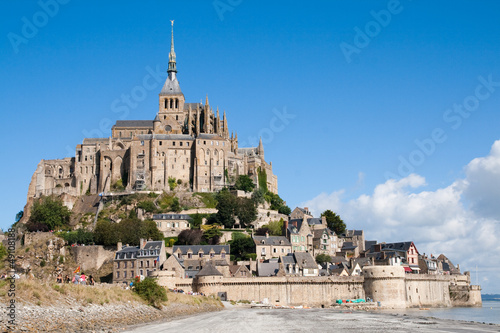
170 224
189 143
131 261
267 247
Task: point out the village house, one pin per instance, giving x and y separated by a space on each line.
299 213
325 241
132 261
406 250
171 225
187 260
267 247
299 264
356 237
299 234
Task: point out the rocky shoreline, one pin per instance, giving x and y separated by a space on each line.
94 318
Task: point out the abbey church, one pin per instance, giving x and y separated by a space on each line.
187 143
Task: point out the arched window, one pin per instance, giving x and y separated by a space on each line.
176 103
171 103
165 103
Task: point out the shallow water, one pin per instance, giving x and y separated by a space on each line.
489 313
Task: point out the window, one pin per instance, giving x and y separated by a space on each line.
187 144
223 255
190 255
125 264
160 143
180 143
173 143
201 254
211 255
142 265
147 263
131 264
117 275
118 265
142 272
131 273
124 274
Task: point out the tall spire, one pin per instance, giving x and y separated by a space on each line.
172 65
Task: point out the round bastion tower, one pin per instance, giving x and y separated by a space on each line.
385 284
208 280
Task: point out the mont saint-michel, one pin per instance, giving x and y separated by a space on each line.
174 205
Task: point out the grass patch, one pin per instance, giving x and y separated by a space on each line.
208 199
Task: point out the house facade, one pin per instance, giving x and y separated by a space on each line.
171 225
142 260
267 247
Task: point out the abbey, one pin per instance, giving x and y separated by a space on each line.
187 143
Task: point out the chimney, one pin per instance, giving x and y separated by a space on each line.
141 243
267 234
119 246
307 210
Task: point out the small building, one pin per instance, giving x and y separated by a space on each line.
325 241
299 264
299 213
171 225
187 260
239 271
267 247
142 260
356 237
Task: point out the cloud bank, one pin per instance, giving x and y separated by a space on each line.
460 220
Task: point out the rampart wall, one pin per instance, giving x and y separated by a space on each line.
388 285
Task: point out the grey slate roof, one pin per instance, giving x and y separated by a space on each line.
208 270
134 123
401 246
314 221
288 259
171 217
271 240
171 87
305 260
204 248
268 268
154 245
248 151
129 252
193 106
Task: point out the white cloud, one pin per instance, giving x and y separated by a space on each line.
460 220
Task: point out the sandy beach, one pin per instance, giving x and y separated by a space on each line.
306 320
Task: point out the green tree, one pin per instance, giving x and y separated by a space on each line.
197 220
285 210
175 206
275 227
241 247
129 231
244 183
190 237
226 205
246 211
151 292
105 233
48 213
149 230
258 196
212 236
323 258
148 206
334 222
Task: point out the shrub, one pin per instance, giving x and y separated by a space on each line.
151 292
42 263
172 183
48 213
148 206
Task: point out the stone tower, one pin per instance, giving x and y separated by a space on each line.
171 114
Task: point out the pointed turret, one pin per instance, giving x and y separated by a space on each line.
171 86
260 149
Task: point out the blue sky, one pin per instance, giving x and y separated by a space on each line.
335 124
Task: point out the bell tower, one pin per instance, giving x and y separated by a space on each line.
171 99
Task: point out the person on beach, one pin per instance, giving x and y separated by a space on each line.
83 279
76 278
59 278
91 280
66 279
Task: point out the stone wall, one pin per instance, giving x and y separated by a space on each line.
91 257
388 285
423 290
